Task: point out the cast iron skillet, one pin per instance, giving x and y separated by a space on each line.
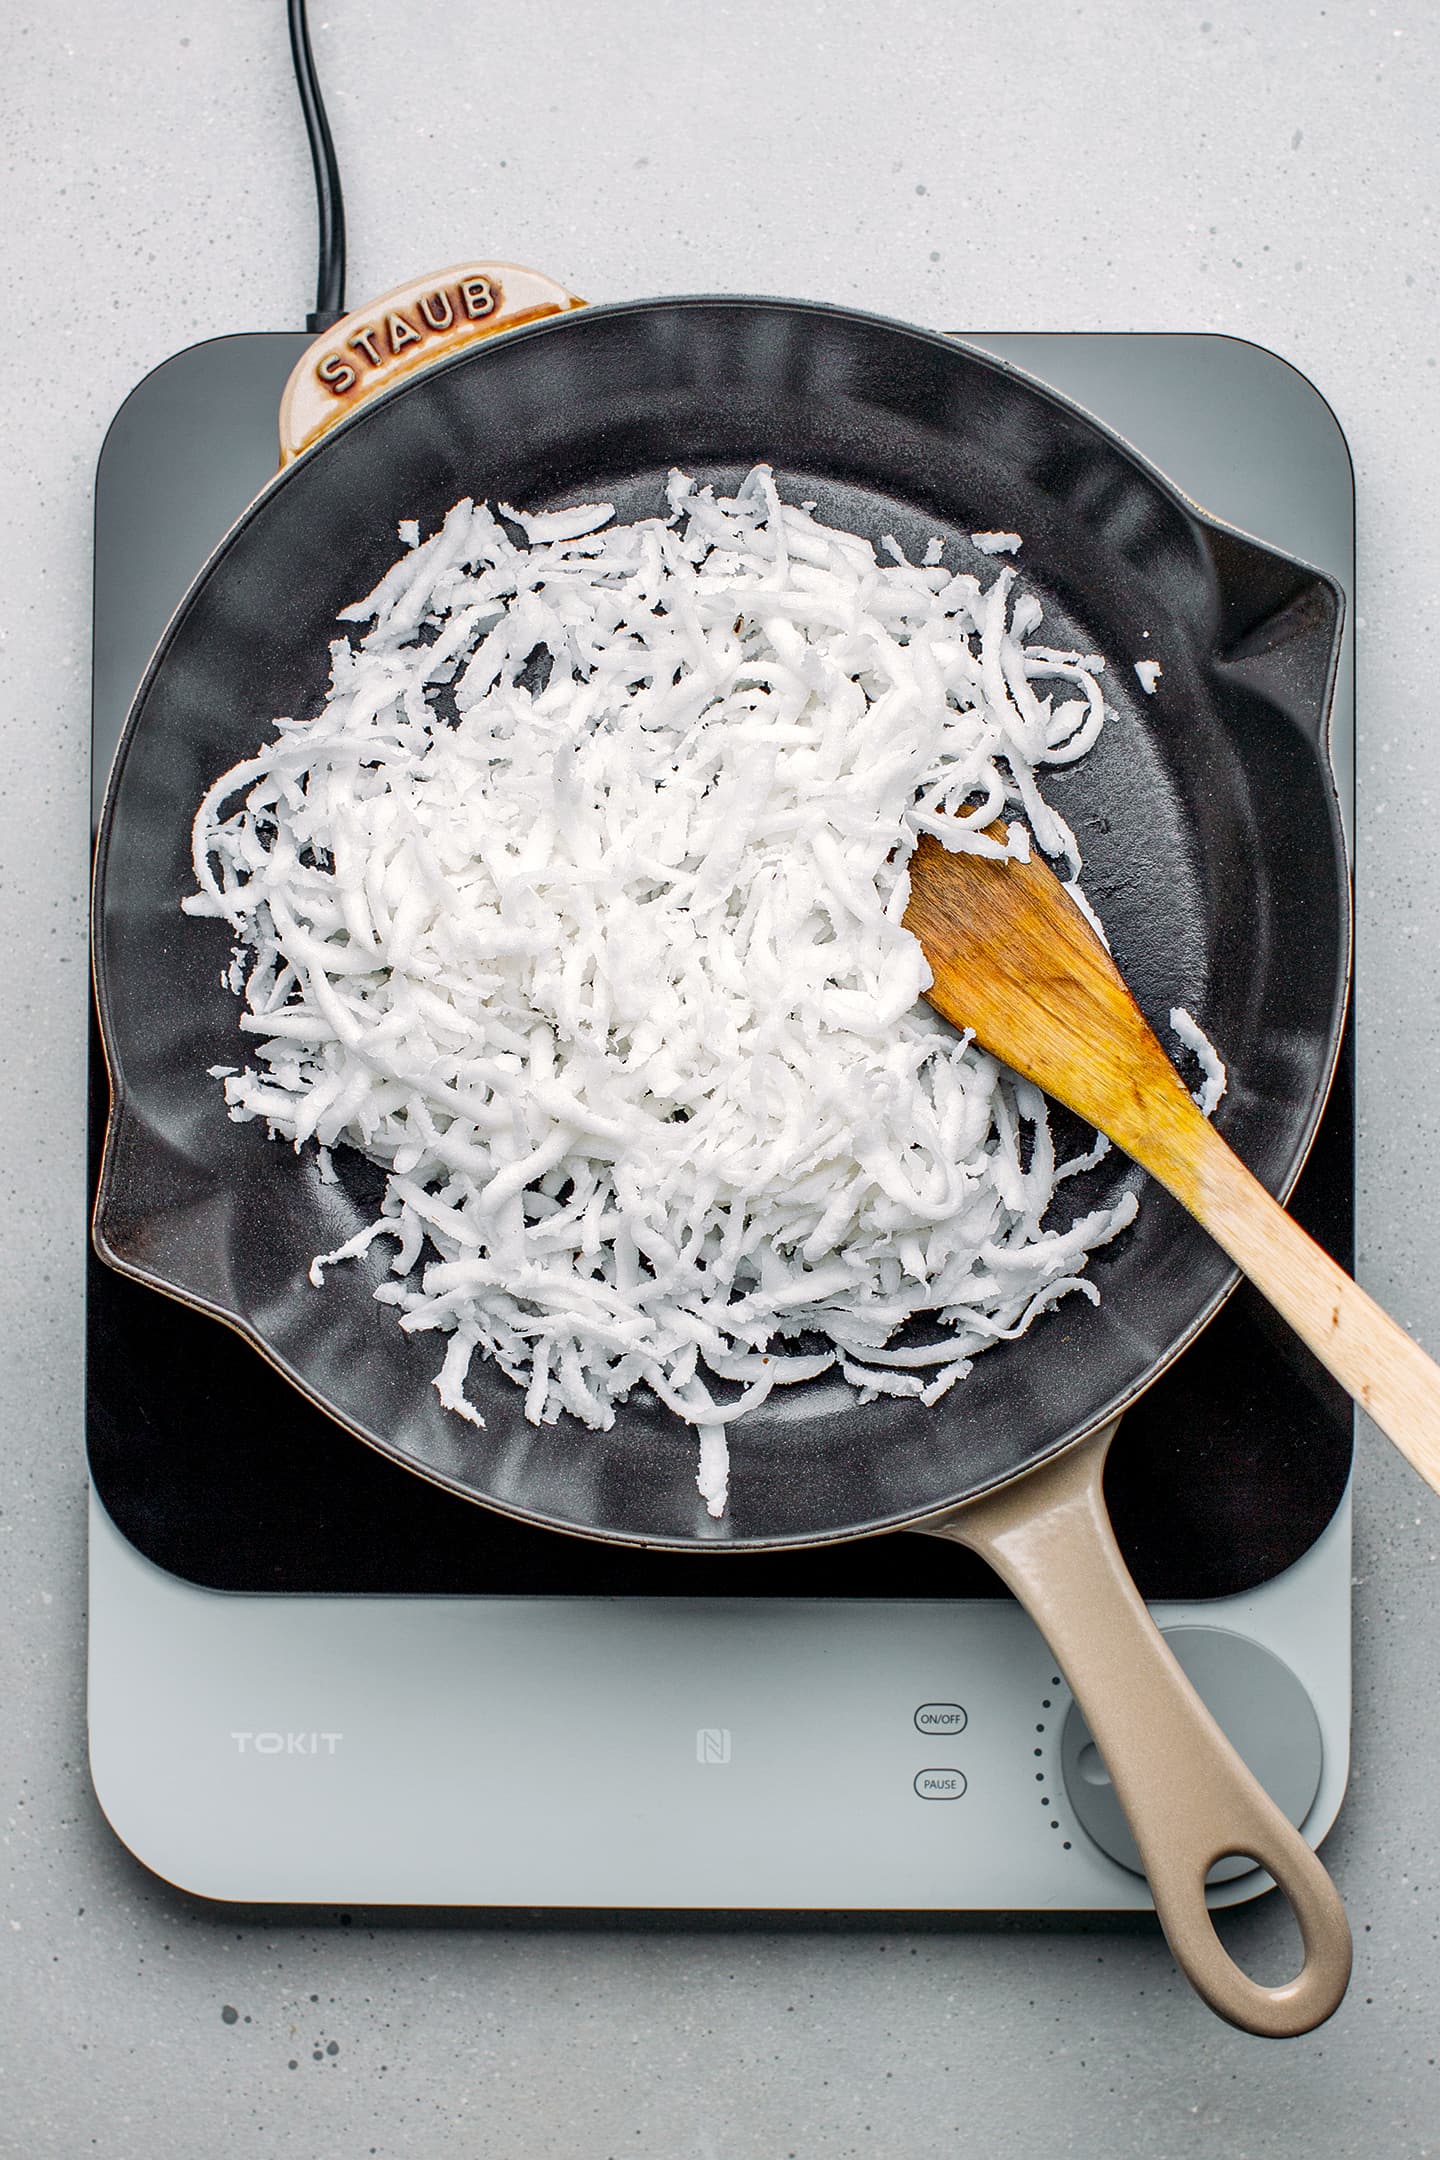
1211 833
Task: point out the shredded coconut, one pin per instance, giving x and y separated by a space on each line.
1213 1085
576 906
996 543
1148 673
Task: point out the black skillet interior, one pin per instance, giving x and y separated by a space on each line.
1207 818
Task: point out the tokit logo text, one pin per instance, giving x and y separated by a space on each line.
286 1743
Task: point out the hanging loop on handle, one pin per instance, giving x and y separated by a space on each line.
373 348
1188 1797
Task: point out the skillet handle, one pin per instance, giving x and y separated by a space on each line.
1188 1797
373 348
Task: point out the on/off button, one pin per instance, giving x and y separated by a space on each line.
940 1717
940 1784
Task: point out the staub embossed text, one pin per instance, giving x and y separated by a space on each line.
431 315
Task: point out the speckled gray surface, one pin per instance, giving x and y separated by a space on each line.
1268 171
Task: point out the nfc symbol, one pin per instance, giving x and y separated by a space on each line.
712 1744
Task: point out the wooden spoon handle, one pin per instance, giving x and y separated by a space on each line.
1373 1358
1013 958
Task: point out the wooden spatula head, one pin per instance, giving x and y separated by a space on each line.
1014 959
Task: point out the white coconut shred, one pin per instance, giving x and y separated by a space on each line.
577 908
1214 1078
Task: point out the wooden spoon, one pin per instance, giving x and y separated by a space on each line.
1014 959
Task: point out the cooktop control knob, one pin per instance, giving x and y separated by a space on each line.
1258 1704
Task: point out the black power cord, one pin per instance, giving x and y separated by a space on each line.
330 278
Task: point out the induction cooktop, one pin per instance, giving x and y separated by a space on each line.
301 1655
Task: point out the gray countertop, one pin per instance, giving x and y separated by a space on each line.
1268 171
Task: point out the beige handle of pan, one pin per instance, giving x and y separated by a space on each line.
375 347
1187 1796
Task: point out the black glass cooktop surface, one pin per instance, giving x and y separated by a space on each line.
210 1464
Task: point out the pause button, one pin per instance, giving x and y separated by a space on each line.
940 1784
